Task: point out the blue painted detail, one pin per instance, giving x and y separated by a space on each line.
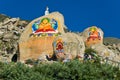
34 27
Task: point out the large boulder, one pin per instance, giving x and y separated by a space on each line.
72 44
93 38
92 35
104 52
39 35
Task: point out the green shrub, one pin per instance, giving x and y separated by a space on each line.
73 70
89 50
94 55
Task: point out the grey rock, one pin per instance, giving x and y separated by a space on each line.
15 37
114 46
10 27
1 32
6 40
11 20
0 24
8 35
4 27
118 46
22 23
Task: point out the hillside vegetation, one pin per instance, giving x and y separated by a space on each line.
73 70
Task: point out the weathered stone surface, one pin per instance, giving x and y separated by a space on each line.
15 37
22 23
38 46
92 35
72 43
33 46
8 35
4 27
12 20
104 52
115 49
10 26
118 46
1 33
6 19
0 24
95 41
114 46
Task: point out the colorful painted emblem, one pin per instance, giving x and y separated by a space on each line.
59 45
45 25
59 48
93 34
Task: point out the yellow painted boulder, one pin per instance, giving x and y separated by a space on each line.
39 35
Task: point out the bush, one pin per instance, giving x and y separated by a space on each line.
89 50
91 55
73 70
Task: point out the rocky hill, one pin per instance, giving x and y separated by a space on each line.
113 44
2 17
11 29
111 40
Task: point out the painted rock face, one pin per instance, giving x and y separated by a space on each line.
38 36
34 27
45 25
92 36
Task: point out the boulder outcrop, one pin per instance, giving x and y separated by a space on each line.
93 38
72 43
92 35
39 36
48 35
9 35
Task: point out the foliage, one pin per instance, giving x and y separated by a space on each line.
74 70
32 62
90 50
91 55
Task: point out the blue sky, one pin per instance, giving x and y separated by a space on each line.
78 14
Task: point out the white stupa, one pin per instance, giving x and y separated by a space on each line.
47 11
